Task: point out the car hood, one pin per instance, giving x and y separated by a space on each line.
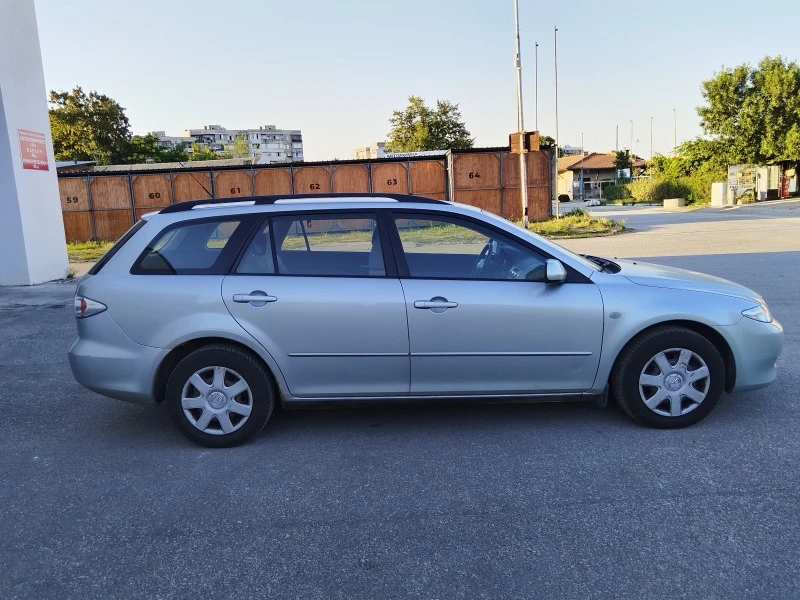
660 276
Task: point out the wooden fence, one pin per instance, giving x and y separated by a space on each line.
102 205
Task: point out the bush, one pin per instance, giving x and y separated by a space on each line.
563 198
615 192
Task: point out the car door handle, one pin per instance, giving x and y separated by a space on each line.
437 304
256 298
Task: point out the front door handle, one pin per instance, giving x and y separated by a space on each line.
256 298
437 304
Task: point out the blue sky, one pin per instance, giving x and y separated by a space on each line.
336 69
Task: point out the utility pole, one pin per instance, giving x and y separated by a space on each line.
555 70
651 138
674 128
536 87
523 170
616 147
583 187
631 139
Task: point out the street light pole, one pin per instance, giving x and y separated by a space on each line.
536 87
555 70
651 138
631 139
674 128
523 171
583 185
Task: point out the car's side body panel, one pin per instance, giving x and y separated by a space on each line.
331 336
632 308
504 336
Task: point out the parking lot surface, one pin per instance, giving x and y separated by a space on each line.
102 499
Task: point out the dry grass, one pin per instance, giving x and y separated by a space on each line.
575 224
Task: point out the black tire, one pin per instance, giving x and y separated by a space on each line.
243 364
636 356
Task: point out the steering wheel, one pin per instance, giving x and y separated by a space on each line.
483 259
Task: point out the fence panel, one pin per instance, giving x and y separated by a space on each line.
110 191
151 191
109 225
428 178
390 178
272 181
477 180
312 180
538 187
194 185
351 178
74 193
77 225
229 184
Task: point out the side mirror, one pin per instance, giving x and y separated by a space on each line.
556 273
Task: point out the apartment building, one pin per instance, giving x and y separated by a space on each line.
266 143
376 150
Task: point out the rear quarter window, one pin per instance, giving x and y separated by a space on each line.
206 247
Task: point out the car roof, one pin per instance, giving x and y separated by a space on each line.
298 199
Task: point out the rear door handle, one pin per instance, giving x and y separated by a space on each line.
256 298
436 304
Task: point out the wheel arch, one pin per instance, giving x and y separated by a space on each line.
181 351
708 332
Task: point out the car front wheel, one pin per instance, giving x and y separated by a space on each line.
669 377
219 396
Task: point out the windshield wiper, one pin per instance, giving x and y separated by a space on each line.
608 266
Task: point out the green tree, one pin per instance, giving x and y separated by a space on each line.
622 159
202 153
240 147
753 114
88 127
418 127
145 148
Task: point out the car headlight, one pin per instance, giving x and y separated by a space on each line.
759 313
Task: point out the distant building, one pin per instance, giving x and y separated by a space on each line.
570 150
597 169
267 143
172 141
377 150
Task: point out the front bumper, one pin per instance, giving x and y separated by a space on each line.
756 347
105 360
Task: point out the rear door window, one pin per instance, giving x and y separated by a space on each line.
332 245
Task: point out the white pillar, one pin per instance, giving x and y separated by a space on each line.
32 245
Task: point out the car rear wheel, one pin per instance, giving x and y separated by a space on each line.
669 377
220 396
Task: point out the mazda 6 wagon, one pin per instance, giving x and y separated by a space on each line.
223 309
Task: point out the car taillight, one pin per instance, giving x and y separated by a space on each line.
86 307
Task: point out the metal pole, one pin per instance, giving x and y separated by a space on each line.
555 71
651 138
583 193
536 87
631 152
675 128
616 147
523 171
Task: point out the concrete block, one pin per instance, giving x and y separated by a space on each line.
674 202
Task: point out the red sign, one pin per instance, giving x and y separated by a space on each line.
33 149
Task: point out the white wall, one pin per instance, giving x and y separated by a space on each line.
32 244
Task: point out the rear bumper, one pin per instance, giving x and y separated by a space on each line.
756 347
105 360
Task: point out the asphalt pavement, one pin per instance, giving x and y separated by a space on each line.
102 499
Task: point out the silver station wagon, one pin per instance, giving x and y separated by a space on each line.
224 309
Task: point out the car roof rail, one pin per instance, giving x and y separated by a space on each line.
261 200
